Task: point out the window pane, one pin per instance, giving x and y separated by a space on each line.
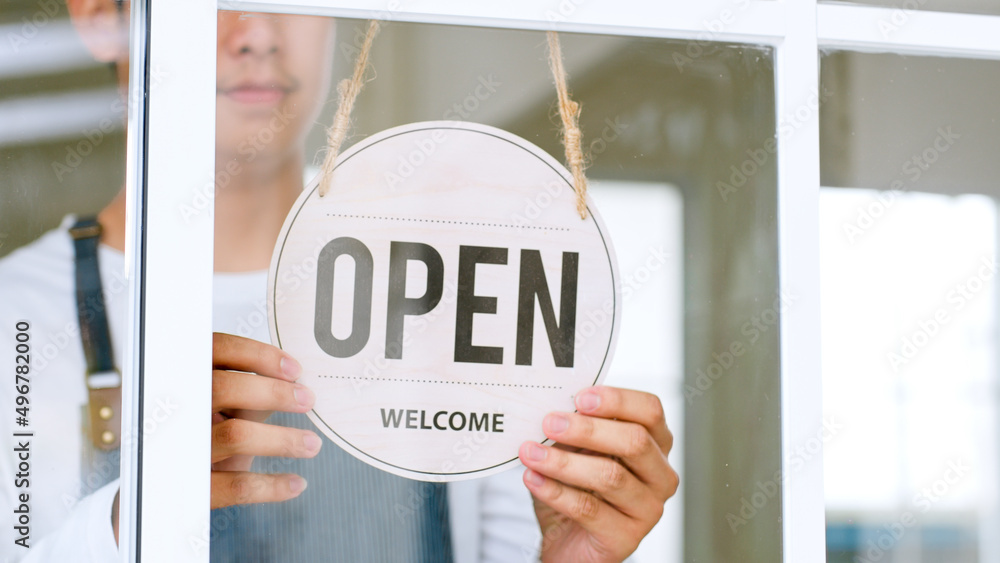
62 158
63 123
909 235
680 141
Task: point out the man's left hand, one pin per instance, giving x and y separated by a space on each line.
602 487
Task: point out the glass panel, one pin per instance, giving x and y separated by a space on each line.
985 7
63 123
62 158
909 238
681 147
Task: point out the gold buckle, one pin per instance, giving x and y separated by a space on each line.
90 231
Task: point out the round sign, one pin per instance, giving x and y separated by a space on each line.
443 297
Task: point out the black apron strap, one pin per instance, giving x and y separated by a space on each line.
104 380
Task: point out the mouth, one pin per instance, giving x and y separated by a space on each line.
255 94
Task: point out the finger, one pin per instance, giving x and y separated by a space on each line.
247 391
245 414
610 527
612 481
629 441
243 437
234 463
244 354
232 487
627 404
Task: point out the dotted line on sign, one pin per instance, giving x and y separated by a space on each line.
441 381
445 222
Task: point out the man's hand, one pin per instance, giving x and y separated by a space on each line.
601 489
249 381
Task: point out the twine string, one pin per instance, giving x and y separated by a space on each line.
348 89
569 111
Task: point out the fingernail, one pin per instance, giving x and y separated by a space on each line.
296 484
311 442
304 396
290 368
536 452
588 401
533 478
557 423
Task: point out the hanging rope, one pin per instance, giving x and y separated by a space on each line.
348 88
569 111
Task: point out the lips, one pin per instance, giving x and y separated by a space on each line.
255 94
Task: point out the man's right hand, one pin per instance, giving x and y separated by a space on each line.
250 380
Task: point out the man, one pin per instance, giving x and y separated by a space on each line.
596 495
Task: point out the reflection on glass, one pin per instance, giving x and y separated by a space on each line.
62 138
61 159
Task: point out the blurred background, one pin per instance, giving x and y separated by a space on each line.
62 123
909 308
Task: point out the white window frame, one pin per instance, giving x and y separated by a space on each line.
167 468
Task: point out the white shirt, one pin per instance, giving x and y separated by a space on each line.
491 518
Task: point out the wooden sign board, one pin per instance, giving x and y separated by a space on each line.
443 297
